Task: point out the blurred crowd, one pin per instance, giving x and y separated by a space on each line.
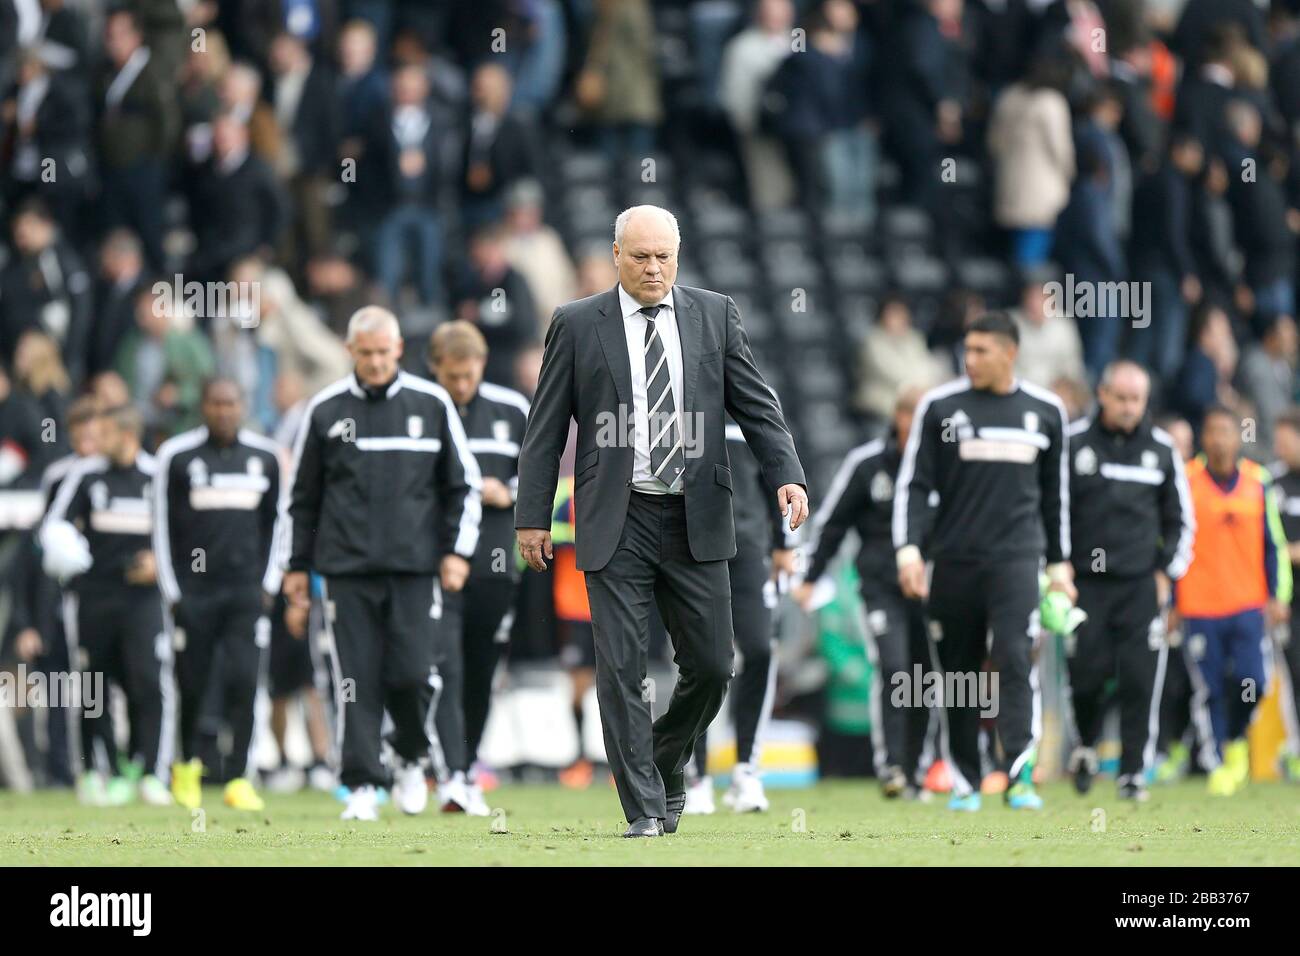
415 153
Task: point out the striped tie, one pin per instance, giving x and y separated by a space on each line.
667 462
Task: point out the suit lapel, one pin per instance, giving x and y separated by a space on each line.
613 342
690 330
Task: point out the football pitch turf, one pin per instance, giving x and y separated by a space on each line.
832 824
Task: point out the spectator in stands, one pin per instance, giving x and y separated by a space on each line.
121 271
240 208
39 373
302 94
1133 77
1259 214
1211 365
496 299
537 252
23 453
1050 347
199 96
893 355
540 68
45 132
749 60
163 362
809 100
44 286
362 88
1162 256
241 97
1218 262
403 177
618 86
1105 116
1088 242
138 125
1032 148
290 331
925 86
499 147
1266 377
1206 90
850 150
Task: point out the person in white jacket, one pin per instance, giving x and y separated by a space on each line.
1032 146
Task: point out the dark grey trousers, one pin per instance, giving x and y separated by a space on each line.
653 561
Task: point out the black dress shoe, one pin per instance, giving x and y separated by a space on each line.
644 827
676 803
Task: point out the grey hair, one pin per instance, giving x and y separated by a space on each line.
1113 368
372 318
620 224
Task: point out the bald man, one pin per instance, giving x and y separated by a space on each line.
1132 525
649 371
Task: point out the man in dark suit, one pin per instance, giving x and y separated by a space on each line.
648 371
239 207
138 123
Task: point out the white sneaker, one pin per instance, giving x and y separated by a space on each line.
154 792
699 797
284 780
363 804
453 794
322 778
746 794
410 790
478 805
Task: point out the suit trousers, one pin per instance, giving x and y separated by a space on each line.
653 562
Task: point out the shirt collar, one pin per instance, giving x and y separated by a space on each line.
631 306
361 391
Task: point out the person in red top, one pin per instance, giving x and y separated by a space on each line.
1237 584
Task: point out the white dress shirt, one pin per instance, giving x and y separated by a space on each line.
634 326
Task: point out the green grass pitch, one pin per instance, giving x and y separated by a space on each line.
833 823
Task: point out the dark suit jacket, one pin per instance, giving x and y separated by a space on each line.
587 375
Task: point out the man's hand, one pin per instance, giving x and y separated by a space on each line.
295 620
1173 626
534 544
297 588
1060 577
1164 588
803 594
1276 612
911 573
143 570
454 571
784 560
496 494
794 500
28 644
911 579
